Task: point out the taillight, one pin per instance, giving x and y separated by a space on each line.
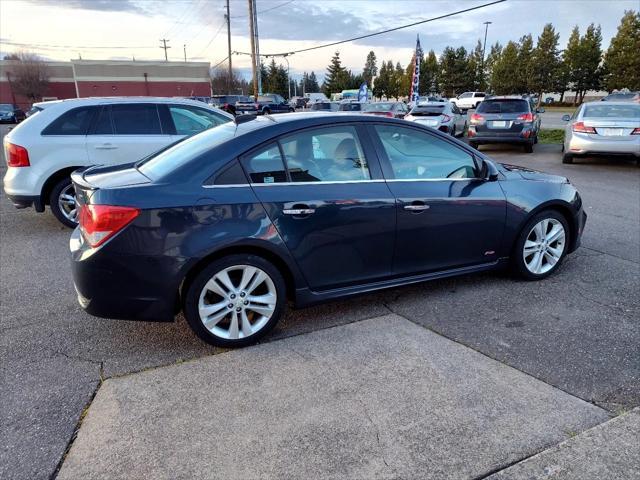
636 131
582 128
389 114
17 155
476 118
257 106
98 223
445 117
526 117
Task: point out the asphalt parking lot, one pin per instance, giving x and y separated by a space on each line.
576 331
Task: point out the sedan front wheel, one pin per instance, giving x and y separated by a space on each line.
541 246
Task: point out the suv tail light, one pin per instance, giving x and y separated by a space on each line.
580 127
17 155
636 131
526 117
98 223
476 118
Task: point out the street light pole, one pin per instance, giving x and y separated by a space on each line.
484 46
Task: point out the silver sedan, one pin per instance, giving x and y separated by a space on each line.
602 128
443 116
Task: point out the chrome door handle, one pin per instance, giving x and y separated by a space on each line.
416 208
299 211
106 146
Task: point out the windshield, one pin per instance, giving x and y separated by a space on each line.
430 111
378 107
168 159
5 107
611 111
503 106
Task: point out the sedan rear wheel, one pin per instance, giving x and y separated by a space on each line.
541 246
235 301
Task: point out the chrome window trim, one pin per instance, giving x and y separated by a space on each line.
330 182
395 180
341 182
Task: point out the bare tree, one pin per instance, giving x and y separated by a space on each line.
30 75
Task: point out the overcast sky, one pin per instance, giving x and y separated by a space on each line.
65 29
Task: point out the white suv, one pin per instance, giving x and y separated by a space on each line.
468 100
65 135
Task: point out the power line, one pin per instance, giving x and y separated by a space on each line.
265 10
378 33
45 46
212 39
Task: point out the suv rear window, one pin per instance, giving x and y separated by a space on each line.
504 106
428 111
74 122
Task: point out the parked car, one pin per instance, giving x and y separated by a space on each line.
325 107
596 128
227 102
199 99
622 97
232 223
10 113
505 120
386 109
69 134
350 106
315 97
267 104
443 116
468 100
298 102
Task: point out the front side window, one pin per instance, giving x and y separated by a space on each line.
329 154
265 165
466 95
136 119
73 122
191 120
417 155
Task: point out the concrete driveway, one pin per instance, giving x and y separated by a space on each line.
576 332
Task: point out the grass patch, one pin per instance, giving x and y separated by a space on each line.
552 135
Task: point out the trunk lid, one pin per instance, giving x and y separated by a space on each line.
87 181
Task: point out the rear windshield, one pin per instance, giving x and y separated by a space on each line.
5 107
378 107
503 106
324 106
621 96
169 159
350 107
602 110
430 111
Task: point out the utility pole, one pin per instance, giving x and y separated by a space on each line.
484 46
228 17
165 47
254 64
257 44
185 51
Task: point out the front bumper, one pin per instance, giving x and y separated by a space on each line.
119 286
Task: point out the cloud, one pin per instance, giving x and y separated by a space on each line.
97 5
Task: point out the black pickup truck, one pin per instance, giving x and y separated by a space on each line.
266 104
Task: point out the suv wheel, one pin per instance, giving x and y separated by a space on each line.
235 301
567 158
266 111
63 203
528 147
541 246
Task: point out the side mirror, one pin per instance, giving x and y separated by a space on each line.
540 110
566 118
490 171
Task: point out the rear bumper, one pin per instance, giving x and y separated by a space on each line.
585 145
26 201
482 138
119 286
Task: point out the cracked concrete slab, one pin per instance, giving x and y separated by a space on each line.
381 398
610 451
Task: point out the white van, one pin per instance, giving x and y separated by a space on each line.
65 135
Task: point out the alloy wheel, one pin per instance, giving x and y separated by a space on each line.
544 246
67 203
237 302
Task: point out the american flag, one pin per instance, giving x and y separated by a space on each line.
415 81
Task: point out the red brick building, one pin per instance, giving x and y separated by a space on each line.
100 78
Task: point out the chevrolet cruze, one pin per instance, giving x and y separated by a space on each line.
232 224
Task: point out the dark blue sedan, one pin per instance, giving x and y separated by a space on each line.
232 223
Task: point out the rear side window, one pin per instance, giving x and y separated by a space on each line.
503 106
74 122
265 165
191 120
136 119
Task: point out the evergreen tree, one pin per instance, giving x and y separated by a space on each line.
429 73
398 76
545 61
474 67
336 76
505 77
622 60
370 68
446 72
525 64
382 84
571 59
489 63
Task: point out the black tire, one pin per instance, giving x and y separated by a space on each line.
192 298
55 207
567 158
292 110
266 111
517 260
528 147
453 130
474 145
